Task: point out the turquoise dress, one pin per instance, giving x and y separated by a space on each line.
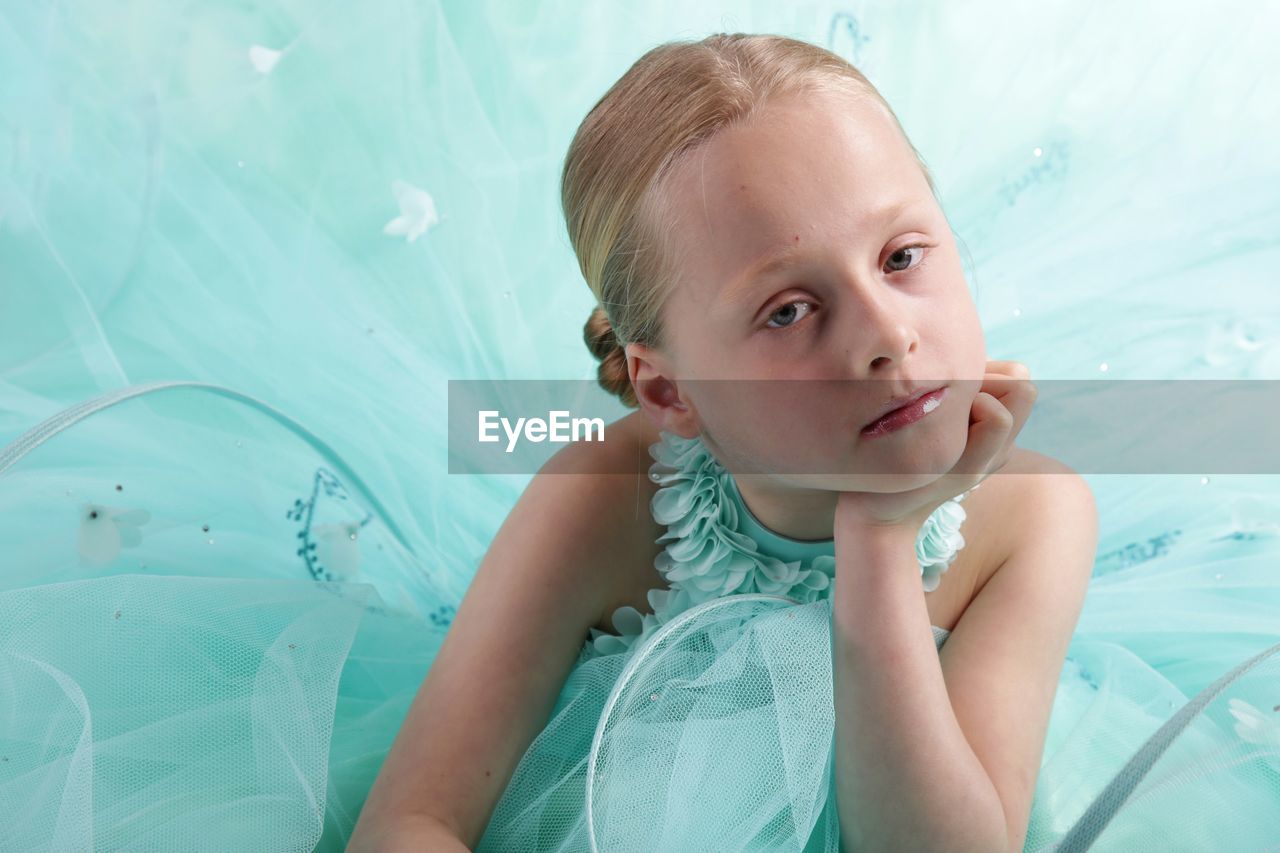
245 249
718 698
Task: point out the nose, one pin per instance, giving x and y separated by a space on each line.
882 330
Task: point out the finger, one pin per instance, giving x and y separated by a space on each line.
1009 368
988 433
1016 395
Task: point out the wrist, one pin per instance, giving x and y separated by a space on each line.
878 550
878 534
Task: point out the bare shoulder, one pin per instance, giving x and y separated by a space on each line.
1033 489
1002 516
552 567
627 533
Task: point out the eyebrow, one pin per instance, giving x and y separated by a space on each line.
740 285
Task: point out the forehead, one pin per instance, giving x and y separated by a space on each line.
805 169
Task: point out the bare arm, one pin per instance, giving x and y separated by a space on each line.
513 642
906 777
942 751
406 834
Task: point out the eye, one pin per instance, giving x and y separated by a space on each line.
787 314
788 311
920 246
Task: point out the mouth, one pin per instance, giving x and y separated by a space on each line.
908 413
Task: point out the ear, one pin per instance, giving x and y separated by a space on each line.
658 393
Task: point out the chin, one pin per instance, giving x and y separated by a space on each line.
933 453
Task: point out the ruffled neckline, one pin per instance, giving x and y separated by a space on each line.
717 547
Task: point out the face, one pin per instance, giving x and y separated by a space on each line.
810 249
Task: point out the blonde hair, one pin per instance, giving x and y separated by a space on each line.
675 98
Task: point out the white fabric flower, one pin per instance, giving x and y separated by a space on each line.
707 557
264 58
1253 725
417 212
104 530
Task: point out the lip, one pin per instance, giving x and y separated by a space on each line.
908 412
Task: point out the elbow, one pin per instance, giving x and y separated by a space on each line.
389 834
976 831
969 836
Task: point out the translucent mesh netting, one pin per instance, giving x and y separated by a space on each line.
131 700
209 634
1207 779
716 734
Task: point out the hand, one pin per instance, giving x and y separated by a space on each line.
998 414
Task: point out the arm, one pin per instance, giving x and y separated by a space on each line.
906 777
406 835
494 682
941 751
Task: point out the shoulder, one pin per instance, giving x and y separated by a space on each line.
600 495
623 453
1012 507
1038 494
1042 480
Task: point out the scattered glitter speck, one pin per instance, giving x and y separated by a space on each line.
1103 367
1204 481
1038 151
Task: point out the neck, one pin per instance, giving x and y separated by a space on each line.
796 513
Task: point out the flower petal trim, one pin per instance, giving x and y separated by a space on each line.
707 557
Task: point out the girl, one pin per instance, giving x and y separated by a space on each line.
220 605
747 209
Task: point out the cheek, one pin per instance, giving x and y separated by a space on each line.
776 426
758 425
966 344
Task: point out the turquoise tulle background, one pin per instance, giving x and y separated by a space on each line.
218 597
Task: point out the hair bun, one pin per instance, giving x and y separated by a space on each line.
603 343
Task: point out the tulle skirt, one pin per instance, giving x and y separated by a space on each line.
243 251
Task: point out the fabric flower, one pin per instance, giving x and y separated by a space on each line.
417 211
939 541
264 59
1256 726
706 556
1253 725
104 530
